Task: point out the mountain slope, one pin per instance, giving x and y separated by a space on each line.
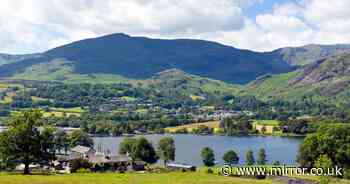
328 78
141 58
175 80
167 82
310 53
62 70
8 59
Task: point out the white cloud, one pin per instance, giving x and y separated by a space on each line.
297 24
280 23
60 21
329 16
37 25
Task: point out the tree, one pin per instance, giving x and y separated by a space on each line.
81 138
262 157
25 142
126 146
143 150
61 140
48 145
231 157
166 149
208 156
325 163
250 158
330 141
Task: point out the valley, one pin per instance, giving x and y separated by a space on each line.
194 91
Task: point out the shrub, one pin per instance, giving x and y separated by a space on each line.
83 170
79 164
346 174
210 171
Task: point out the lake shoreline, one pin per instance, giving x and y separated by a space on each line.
188 146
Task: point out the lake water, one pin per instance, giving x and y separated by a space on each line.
2 128
188 147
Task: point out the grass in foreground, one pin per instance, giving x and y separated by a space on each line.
128 178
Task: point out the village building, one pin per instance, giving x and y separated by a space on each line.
182 167
100 161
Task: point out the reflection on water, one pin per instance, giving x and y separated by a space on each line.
188 147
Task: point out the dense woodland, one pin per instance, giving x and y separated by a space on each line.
114 109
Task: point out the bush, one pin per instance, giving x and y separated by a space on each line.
276 163
83 170
346 174
210 171
79 164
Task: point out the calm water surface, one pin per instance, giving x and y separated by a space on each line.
188 147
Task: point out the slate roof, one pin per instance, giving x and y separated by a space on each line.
81 149
180 166
111 159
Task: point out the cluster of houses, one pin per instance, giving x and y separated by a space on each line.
105 161
219 115
100 161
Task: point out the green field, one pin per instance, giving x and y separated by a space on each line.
137 178
60 112
267 122
189 127
129 178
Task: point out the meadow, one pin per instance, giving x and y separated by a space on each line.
189 127
128 178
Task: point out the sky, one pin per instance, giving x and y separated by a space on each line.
30 26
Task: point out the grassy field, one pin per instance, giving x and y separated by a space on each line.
211 124
128 178
38 99
3 86
60 112
69 110
267 122
139 178
8 98
269 126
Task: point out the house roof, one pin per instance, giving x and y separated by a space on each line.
81 149
112 159
181 166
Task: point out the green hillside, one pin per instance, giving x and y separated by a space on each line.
166 82
61 70
178 81
327 80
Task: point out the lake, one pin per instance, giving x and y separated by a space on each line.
2 128
188 147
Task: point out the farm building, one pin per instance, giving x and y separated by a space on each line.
99 161
182 167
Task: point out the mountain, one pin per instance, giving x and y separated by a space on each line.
7 58
141 58
310 53
327 79
119 57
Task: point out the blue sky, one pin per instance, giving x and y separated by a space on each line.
29 26
263 7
